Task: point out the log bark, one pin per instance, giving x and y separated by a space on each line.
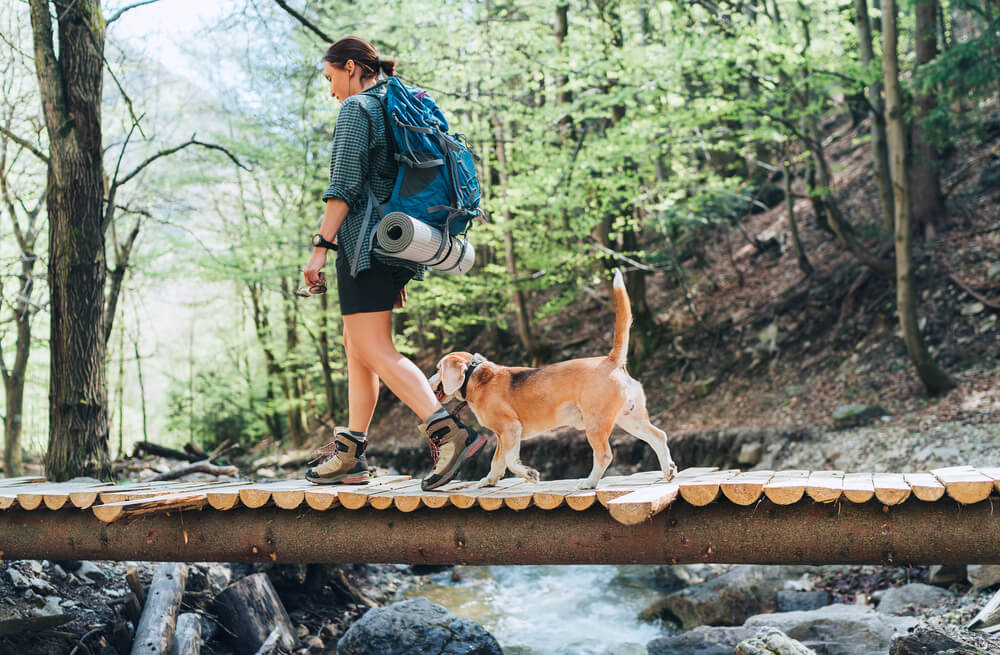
70 91
163 451
251 610
187 637
155 632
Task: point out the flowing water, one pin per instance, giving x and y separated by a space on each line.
552 610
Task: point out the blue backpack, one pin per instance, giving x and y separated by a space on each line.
437 182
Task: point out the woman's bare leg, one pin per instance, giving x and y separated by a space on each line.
362 390
368 337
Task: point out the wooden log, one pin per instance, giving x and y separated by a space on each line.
357 496
963 483
992 472
202 466
441 497
384 499
192 500
155 632
187 636
786 487
704 489
251 610
643 504
552 493
469 496
825 486
134 583
890 488
925 486
858 487
322 498
225 497
162 451
746 488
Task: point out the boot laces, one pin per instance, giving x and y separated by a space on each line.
324 452
434 446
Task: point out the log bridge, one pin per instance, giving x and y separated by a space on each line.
944 516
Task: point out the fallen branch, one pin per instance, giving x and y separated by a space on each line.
204 466
162 451
988 617
992 304
155 631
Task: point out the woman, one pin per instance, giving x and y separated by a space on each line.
362 172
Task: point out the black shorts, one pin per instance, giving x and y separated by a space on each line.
374 290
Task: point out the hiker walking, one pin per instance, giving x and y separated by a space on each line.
370 285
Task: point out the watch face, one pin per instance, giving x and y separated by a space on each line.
317 238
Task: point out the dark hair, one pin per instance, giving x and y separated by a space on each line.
362 53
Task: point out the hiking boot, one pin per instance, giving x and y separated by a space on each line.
342 461
452 444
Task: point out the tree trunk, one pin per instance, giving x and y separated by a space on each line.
252 612
70 89
880 153
324 355
793 229
928 201
261 328
935 380
296 428
528 340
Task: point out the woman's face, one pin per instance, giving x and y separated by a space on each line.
345 81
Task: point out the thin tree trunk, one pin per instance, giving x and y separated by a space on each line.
793 228
528 340
880 152
142 385
928 201
324 355
261 328
120 389
934 378
70 90
293 412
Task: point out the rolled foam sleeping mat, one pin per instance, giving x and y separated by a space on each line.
400 235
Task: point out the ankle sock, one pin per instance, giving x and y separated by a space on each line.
437 416
360 436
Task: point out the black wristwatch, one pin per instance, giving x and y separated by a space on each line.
319 242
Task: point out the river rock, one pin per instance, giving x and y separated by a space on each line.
921 642
983 575
898 599
852 415
771 641
416 626
802 601
838 629
703 640
670 578
18 579
91 572
728 599
946 574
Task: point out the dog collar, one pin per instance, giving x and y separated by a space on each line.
474 363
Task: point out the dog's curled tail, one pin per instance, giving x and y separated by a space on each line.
623 321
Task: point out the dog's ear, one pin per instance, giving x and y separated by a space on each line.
452 370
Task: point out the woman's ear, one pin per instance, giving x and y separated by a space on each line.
452 371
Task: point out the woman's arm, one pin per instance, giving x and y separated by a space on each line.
333 218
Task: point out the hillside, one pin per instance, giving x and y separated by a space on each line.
777 349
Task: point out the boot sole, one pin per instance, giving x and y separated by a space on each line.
353 478
466 455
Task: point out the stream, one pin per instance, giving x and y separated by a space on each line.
552 610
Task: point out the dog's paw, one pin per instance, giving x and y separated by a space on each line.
585 484
670 473
485 482
532 476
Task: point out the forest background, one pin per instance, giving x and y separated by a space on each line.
644 135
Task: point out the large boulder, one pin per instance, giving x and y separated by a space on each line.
703 640
727 599
838 629
416 626
983 575
946 574
771 641
898 599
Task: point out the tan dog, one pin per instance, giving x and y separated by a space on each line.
593 394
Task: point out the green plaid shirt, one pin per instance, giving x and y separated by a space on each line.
361 153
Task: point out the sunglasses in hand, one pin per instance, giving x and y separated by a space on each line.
315 289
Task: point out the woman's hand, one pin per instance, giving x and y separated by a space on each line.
316 263
400 299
